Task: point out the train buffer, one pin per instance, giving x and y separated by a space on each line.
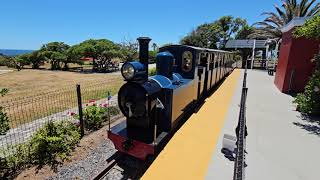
277 133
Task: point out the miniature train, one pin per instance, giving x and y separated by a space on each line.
154 106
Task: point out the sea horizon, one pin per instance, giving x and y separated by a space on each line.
15 52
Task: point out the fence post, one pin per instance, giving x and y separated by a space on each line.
80 110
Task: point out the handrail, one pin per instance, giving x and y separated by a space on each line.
239 164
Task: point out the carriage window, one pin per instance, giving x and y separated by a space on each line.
203 59
216 57
187 61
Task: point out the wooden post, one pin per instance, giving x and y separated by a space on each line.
80 110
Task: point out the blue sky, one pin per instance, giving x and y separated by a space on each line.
27 24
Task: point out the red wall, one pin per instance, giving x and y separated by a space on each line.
295 62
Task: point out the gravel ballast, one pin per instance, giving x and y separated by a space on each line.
89 166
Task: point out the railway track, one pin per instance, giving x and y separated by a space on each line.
121 166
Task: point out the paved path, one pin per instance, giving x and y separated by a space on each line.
4 71
281 144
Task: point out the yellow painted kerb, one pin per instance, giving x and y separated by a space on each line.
188 153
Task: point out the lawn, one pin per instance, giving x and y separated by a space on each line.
34 94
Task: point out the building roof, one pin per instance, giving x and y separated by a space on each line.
298 21
198 48
245 43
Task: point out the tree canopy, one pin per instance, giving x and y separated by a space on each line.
311 29
55 53
271 26
102 51
208 34
244 32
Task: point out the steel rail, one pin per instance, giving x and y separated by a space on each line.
112 162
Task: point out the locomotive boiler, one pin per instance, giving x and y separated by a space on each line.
155 105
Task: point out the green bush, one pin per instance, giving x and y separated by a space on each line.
49 145
4 122
14 161
309 101
54 142
95 115
152 71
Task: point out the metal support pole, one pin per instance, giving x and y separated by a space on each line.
155 127
80 110
108 107
253 53
267 58
277 57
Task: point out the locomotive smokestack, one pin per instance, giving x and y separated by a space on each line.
144 51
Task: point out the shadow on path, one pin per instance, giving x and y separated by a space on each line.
311 124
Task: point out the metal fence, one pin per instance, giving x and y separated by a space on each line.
241 132
26 115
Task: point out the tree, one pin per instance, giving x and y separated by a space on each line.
35 59
20 61
229 26
311 29
244 32
271 26
72 56
208 34
55 53
102 51
129 50
154 46
205 35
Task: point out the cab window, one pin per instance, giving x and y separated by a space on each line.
186 61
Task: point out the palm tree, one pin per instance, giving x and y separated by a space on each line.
154 45
271 26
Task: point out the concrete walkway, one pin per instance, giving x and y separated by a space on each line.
281 144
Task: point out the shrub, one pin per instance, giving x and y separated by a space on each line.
95 115
50 144
152 71
14 161
4 122
309 101
54 142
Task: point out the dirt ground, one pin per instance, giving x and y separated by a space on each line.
86 144
28 82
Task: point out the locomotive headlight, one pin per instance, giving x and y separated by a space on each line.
127 71
133 71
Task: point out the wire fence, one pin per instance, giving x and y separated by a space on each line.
28 114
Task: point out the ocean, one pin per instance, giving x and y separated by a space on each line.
14 52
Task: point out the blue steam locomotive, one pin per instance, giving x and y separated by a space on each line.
155 105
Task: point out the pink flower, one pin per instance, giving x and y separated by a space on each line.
92 101
105 105
76 123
